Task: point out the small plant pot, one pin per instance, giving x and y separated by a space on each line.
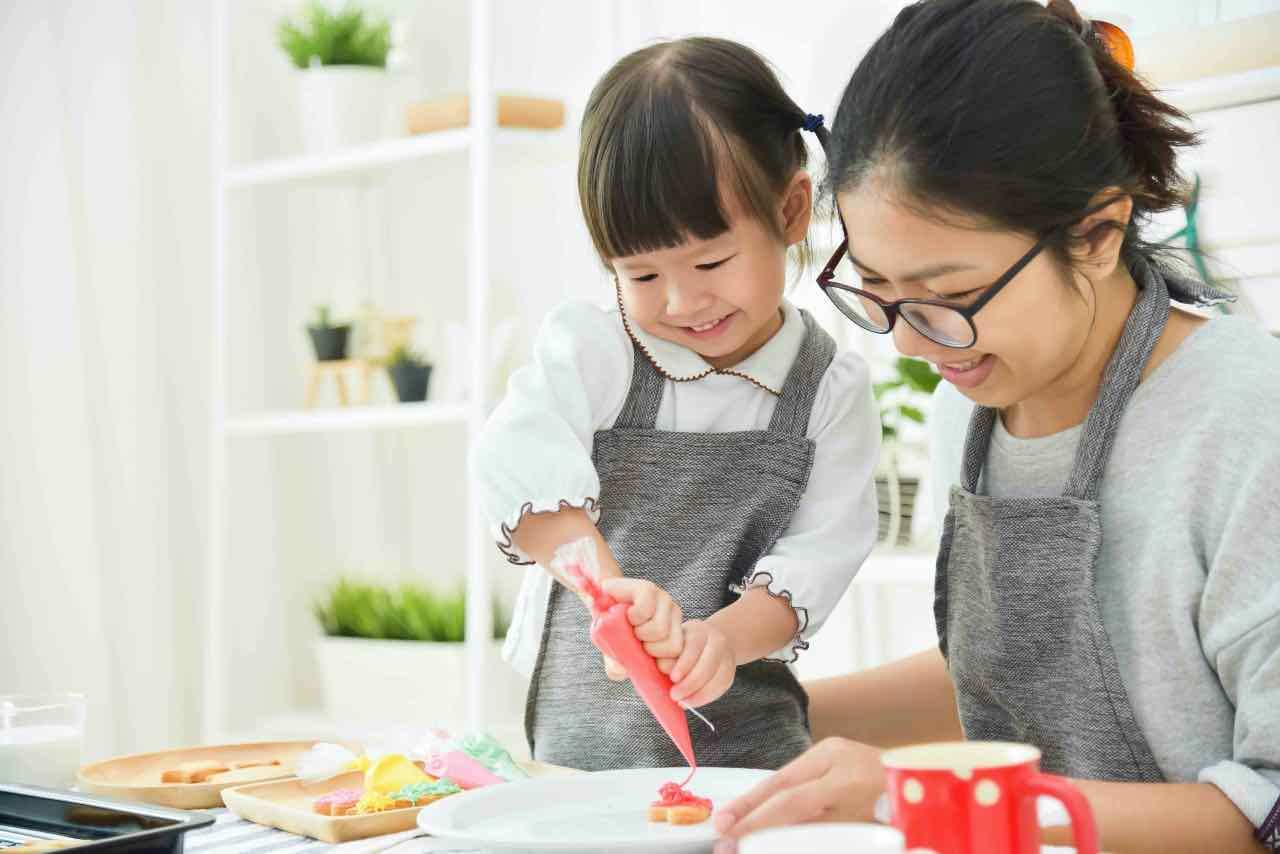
342 106
329 342
411 381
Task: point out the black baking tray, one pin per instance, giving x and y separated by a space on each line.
31 814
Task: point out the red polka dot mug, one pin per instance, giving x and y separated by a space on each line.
978 797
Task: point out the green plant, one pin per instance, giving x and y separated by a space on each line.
404 356
357 609
898 395
346 37
322 317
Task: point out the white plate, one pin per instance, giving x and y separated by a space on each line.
607 810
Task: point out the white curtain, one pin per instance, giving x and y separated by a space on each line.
104 331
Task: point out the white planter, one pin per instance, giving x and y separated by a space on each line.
342 105
395 682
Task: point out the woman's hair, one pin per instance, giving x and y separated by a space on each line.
1008 111
674 132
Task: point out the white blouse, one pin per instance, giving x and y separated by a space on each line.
534 454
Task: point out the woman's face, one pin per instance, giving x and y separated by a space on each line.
1029 335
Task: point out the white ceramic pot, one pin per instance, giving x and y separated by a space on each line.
342 105
396 682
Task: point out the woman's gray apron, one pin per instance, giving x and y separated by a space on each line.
693 513
1016 605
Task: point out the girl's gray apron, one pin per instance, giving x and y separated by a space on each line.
693 513
1015 602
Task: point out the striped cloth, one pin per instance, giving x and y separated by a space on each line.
233 834
230 833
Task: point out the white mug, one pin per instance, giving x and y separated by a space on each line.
825 839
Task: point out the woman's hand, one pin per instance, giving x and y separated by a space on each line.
655 616
706 666
835 780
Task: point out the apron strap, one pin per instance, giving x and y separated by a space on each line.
795 405
976 444
1142 329
640 411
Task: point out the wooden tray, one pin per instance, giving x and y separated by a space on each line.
287 804
137 777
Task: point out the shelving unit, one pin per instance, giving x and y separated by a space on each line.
387 153
338 420
234 187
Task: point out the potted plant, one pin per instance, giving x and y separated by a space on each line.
342 60
329 340
396 654
410 374
899 399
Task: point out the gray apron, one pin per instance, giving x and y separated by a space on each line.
693 513
1015 603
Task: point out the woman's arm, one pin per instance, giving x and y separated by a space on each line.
903 702
1163 818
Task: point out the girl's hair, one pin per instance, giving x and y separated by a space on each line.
676 130
1011 111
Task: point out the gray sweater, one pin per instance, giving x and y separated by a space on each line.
1188 574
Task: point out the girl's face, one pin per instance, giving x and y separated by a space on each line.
1029 336
720 297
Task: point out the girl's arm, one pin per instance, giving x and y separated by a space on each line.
758 624
532 462
907 701
1163 818
540 534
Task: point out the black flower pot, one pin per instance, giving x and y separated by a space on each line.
329 342
410 380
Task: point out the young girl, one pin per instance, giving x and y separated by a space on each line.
705 433
1107 584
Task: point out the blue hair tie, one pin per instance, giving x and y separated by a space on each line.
811 123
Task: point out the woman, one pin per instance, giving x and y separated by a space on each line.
1109 578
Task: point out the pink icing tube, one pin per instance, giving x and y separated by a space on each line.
613 635
466 772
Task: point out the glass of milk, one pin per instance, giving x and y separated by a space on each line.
40 738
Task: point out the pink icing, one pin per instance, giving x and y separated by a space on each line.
341 796
466 772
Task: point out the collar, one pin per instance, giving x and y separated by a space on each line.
767 367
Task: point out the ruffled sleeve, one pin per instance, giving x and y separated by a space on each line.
834 527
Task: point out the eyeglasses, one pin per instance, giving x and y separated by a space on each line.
941 322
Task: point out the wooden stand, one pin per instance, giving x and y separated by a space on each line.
337 370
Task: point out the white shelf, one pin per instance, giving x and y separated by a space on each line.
380 155
339 163
346 419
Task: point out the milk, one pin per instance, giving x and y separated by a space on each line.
40 754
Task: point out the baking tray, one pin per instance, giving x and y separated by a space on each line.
138 777
30 814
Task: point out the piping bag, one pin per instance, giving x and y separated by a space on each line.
613 634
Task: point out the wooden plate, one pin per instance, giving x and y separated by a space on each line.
137 777
287 804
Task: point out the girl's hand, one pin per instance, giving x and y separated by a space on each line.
654 615
706 666
835 780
